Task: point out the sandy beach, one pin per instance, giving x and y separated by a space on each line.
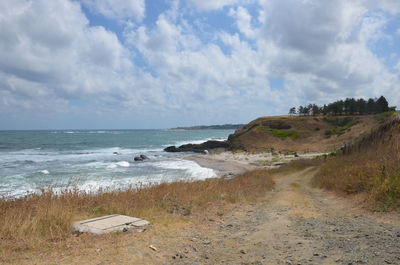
231 164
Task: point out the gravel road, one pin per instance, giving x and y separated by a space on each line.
294 224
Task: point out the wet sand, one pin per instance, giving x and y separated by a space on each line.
223 167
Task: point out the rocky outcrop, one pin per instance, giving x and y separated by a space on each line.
197 148
140 158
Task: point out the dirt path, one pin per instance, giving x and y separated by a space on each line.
294 224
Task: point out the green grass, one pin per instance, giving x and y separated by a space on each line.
342 126
282 134
385 115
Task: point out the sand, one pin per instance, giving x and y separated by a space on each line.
231 164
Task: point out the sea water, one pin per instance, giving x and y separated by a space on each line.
93 160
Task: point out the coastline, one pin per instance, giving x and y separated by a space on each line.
233 164
222 167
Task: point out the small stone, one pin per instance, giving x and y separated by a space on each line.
153 248
204 256
126 230
243 251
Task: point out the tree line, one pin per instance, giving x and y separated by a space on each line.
349 106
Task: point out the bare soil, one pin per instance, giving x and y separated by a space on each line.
295 224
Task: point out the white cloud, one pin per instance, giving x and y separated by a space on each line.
208 5
243 21
59 57
391 6
118 9
320 49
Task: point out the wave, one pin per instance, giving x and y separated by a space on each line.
118 164
193 170
41 156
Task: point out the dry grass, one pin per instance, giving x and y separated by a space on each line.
300 164
42 221
372 165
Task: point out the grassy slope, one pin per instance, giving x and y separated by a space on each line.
371 166
301 134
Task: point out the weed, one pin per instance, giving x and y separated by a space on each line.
385 115
371 165
342 125
40 220
282 134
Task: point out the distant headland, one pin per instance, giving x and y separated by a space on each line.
211 127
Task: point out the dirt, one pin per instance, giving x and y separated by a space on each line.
293 224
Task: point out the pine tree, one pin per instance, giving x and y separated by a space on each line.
381 105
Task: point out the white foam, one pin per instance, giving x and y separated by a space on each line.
46 172
118 164
194 171
123 164
112 166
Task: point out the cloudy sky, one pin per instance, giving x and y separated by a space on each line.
158 64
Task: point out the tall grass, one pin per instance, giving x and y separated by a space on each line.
44 218
371 165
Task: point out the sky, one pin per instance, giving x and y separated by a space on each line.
135 64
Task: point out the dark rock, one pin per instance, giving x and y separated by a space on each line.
144 157
198 148
138 158
171 149
141 158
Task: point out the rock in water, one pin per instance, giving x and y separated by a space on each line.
138 158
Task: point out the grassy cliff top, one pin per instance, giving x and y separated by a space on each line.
303 133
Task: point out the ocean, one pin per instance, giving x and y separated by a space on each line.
94 160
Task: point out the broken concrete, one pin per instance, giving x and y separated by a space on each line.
107 224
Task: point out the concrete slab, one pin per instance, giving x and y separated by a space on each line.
107 224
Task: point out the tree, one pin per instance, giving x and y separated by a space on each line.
300 110
371 106
381 105
324 110
315 109
349 106
361 106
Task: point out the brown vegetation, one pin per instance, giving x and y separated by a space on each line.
43 221
301 133
371 165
